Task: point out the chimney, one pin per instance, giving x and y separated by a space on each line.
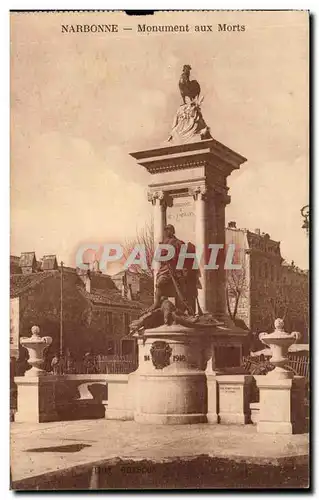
49 263
85 277
88 283
124 286
232 224
95 267
257 231
130 292
28 263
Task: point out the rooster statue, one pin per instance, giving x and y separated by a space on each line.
188 88
189 124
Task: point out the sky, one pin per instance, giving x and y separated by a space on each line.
80 103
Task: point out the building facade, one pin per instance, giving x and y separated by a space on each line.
265 287
95 315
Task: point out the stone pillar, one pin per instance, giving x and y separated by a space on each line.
234 398
158 201
199 193
219 283
36 389
212 389
282 404
36 399
133 378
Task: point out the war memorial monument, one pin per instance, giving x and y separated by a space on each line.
189 351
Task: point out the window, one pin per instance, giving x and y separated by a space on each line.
110 347
127 347
126 323
260 271
109 322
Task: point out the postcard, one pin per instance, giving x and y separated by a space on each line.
159 274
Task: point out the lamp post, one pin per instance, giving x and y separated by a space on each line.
61 311
305 214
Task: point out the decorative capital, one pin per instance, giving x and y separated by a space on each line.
198 192
223 198
152 196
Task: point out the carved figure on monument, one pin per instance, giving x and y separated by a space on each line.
179 283
161 353
189 124
189 88
173 282
168 314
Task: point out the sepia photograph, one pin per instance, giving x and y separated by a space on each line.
159 250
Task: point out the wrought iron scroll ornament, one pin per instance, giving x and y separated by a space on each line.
161 353
305 214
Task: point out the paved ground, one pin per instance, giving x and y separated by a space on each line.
41 448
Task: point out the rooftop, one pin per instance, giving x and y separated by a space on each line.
21 283
108 295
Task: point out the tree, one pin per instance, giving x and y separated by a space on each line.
236 290
286 298
144 237
236 283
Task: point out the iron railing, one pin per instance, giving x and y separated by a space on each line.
96 364
259 365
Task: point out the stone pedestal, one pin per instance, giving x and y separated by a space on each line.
254 411
234 398
282 408
36 390
189 190
281 394
171 382
119 405
36 399
212 394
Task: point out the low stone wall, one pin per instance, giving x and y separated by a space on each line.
72 397
80 396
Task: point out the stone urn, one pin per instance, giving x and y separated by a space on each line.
35 346
279 342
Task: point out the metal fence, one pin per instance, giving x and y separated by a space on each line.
260 365
96 364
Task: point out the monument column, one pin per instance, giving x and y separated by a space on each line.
221 200
199 194
158 201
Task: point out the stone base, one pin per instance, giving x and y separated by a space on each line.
212 398
275 428
31 417
234 396
170 383
36 399
234 418
282 409
113 414
254 412
179 397
212 418
170 419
